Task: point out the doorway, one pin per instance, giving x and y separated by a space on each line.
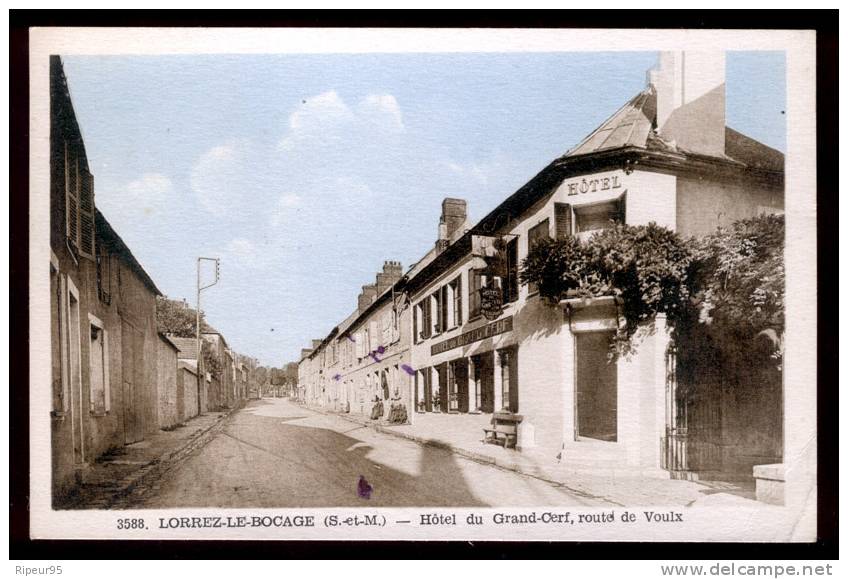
484 376
596 391
132 368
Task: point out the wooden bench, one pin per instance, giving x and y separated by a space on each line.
504 429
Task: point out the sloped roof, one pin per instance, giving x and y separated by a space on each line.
629 126
751 153
110 238
187 347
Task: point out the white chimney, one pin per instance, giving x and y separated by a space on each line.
691 100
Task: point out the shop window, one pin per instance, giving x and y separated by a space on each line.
598 216
98 367
536 234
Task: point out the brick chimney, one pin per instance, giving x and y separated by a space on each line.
368 295
454 214
304 352
316 343
690 89
392 272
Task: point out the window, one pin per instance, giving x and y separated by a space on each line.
597 216
426 319
453 303
534 236
477 280
79 203
98 367
436 300
510 285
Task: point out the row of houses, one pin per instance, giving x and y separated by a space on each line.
454 334
116 379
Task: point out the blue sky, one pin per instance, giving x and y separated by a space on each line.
303 173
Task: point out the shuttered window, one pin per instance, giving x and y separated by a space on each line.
426 318
562 218
86 201
71 197
79 204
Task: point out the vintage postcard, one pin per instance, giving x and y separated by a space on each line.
423 284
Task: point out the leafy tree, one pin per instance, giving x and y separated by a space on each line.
740 278
177 318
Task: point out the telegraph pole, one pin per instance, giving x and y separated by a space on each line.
202 379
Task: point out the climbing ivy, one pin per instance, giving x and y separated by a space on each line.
731 282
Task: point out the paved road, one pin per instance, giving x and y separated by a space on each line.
277 454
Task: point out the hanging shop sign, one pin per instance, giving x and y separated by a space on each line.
491 302
471 336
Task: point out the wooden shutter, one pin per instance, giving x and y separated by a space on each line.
457 296
86 214
621 209
415 311
443 300
562 218
71 197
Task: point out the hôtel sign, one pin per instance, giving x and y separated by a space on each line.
593 184
471 336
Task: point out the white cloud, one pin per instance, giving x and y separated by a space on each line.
215 178
149 191
327 119
383 110
476 172
285 205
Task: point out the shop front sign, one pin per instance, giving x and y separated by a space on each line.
471 336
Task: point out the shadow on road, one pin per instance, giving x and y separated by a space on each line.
273 455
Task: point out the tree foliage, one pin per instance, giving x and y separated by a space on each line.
741 278
177 318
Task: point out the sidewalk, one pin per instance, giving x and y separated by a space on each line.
128 470
462 435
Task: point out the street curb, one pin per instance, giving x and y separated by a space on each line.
158 466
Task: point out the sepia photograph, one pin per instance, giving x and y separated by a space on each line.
423 284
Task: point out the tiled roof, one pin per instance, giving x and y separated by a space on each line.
751 153
628 127
187 347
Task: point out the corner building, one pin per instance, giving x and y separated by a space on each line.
482 342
